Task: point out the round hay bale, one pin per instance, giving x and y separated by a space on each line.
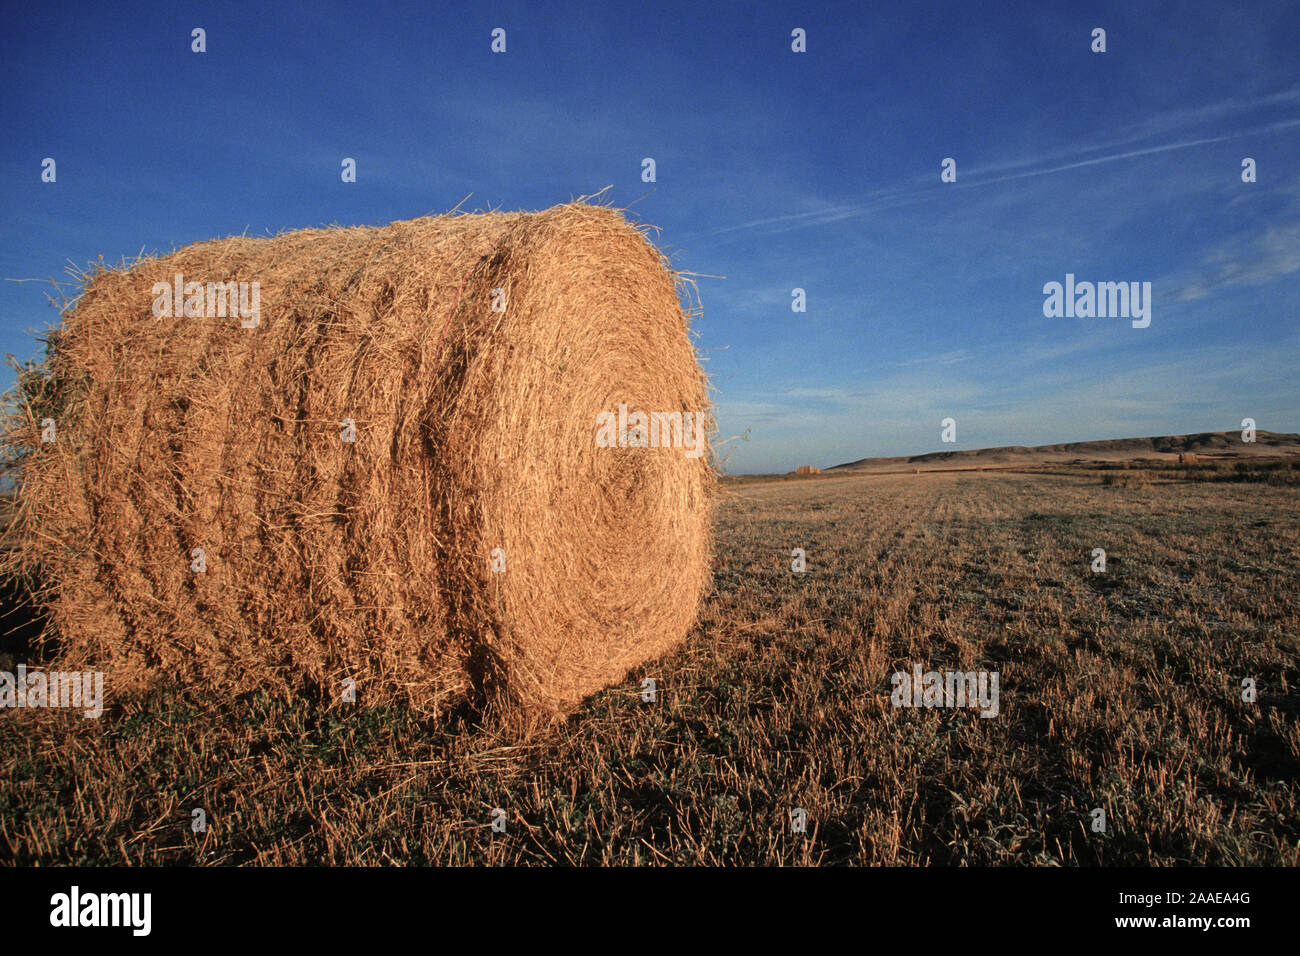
471 540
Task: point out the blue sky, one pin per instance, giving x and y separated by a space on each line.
775 169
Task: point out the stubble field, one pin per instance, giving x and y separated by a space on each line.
1120 691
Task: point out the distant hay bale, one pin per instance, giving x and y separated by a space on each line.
807 470
1187 458
375 558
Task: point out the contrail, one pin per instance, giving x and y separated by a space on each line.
898 197
1284 124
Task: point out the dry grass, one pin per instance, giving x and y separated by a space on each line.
1127 479
1272 471
372 559
1119 691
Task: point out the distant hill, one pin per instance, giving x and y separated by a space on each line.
1205 445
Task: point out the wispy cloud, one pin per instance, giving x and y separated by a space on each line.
901 415
955 357
1174 121
1247 260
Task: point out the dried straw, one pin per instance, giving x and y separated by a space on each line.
475 430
